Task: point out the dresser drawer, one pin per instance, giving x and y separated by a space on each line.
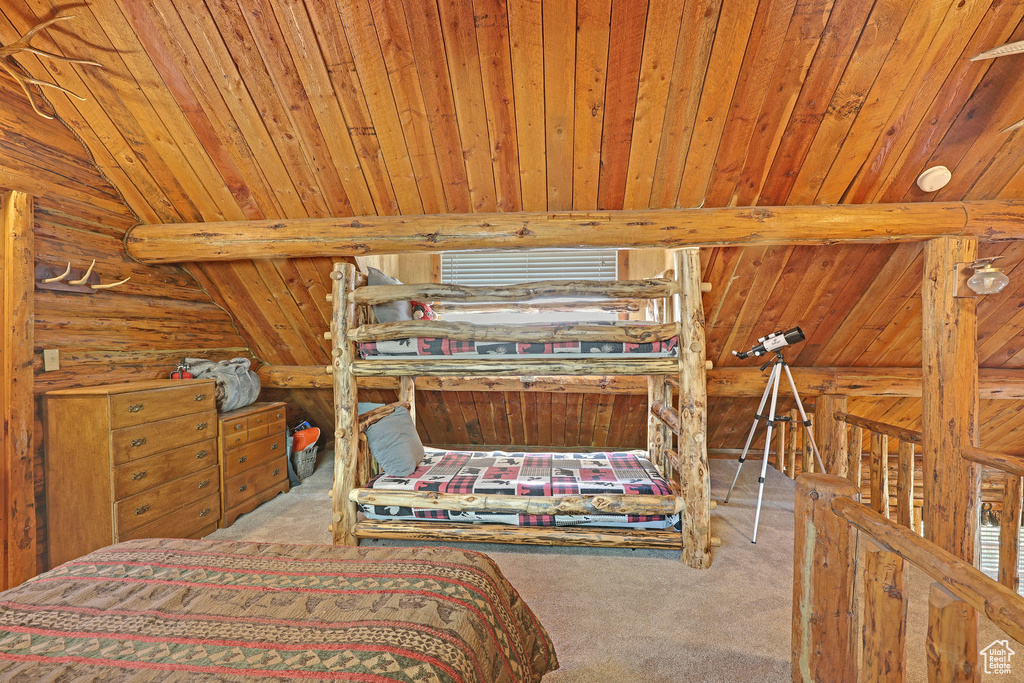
181 523
145 473
242 458
132 443
249 483
154 503
136 407
234 431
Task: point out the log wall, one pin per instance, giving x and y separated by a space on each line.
135 332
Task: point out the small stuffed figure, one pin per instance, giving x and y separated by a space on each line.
422 311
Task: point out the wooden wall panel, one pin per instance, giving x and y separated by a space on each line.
135 332
257 109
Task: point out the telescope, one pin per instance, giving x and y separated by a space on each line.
773 341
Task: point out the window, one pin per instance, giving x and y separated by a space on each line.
502 268
988 556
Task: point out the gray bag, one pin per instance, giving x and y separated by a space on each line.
236 385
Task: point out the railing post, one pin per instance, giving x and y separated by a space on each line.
905 484
885 616
808 464
952 642
824 643
832 438
880 473
1009 532
855 450
795 429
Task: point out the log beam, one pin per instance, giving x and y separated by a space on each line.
995 383
611 504
661 228
949 423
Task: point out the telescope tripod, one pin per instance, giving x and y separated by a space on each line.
778 365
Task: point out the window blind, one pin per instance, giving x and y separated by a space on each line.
988 557
497 268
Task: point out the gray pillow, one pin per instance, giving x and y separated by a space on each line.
367 407
394 443
393 311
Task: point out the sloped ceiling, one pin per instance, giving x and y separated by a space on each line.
226 109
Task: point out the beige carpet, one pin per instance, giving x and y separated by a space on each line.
622 616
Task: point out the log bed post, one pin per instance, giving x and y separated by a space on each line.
950 422
407 394
824 591
655 434
693 455
832 437
346 431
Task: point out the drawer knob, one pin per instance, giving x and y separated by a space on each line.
238 426
139 475
142 509
277 471
243 487
138 442
204 512
204 483
274 445
243 458
199 397
201 426
259 420
279 415
201 454
134 408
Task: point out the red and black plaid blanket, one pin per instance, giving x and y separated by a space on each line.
528 474
184 610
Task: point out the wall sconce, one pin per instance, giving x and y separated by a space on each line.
979 277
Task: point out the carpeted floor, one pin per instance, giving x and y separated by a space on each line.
621 615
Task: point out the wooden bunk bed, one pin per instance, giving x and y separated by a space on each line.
682 375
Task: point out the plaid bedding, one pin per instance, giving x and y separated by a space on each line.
528 474
183 610
435 346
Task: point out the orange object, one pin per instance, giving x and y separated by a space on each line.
304 438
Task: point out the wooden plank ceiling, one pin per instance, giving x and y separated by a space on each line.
234 109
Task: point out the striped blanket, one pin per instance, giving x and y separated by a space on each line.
184 610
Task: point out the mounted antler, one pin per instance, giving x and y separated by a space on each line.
18 72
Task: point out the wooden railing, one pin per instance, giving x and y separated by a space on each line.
828 518
1012 468
793 452
883 498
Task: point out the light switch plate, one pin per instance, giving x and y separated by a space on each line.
51 359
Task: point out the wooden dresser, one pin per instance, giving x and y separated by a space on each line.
128 461
253 457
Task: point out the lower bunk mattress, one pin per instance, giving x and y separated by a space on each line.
185 610
528 474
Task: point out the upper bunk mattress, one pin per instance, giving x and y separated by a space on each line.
439 346
528 474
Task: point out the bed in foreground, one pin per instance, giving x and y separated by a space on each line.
175 609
